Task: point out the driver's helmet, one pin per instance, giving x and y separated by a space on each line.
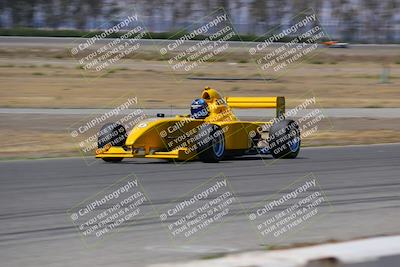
199 108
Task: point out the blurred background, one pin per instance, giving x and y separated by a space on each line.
365 21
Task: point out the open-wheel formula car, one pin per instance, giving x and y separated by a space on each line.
210 133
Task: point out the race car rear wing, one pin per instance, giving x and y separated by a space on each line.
277 102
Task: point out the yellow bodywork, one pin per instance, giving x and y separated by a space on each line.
150 138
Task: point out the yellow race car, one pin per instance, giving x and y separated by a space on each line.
211 132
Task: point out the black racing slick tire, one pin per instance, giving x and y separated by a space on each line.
113 134
210 143
284 139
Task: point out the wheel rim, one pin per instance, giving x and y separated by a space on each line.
295 144
219 146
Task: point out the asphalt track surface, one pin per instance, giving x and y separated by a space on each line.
362 184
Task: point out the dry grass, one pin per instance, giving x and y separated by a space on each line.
39 77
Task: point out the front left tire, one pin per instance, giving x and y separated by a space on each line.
113 134
211 143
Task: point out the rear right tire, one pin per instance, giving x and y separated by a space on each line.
284 141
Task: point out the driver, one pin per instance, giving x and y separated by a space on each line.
199 109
